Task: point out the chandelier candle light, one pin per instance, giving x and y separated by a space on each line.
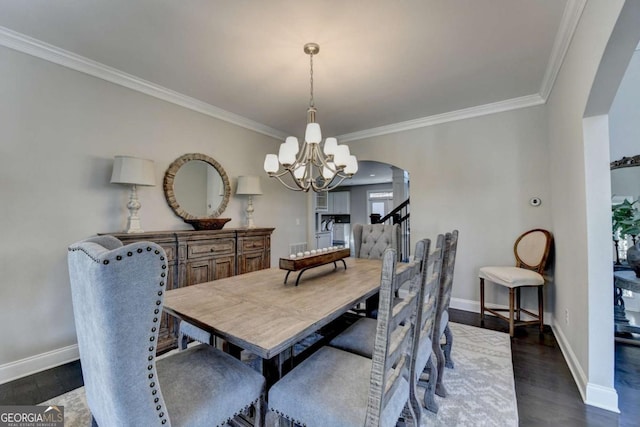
311 167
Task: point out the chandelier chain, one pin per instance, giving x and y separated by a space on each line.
311 102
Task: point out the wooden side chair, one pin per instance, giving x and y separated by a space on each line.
337 388
531 251
359 337
424 366
441 329
117 294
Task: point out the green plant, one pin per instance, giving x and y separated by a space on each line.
625 218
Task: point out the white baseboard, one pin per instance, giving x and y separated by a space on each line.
592 394
602 397
474 307
30 365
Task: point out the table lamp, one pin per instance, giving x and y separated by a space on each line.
249 186
133 171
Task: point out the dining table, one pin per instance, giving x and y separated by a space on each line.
259 313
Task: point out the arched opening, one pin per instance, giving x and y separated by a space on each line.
620 48
374 191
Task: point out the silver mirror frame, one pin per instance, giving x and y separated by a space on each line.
169 178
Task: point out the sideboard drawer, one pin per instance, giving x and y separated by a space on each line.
253 243
215 247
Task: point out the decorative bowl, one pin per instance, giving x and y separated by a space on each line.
208 223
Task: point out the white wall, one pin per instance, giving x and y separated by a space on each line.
60 130
580 220
476 175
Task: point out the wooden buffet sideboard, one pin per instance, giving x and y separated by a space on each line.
202 256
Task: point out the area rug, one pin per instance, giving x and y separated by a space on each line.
481 386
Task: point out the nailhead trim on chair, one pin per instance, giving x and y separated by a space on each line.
152 338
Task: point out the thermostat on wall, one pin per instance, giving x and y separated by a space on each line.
535 201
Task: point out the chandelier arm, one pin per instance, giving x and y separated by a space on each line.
285 184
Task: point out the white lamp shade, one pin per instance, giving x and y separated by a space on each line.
313 134
352 165
271 163
132 170
342 155
330 145
287 155
249 185
292 141
299 171
329 171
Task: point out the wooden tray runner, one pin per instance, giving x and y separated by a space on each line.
307 262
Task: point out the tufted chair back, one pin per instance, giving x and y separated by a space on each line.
371 240
122 288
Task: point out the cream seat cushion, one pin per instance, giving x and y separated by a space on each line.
511 277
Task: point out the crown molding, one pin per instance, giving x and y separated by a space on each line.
452 116
56 55
568 23
570 18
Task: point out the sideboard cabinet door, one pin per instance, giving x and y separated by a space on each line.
202 256
254 250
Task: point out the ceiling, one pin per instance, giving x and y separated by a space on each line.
381 63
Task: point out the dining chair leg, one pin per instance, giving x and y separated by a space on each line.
447 347
511 303
481 300
429 393
440 362
518 304
541 308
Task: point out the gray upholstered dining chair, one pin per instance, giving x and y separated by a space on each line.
441 328
531 251
117 294
371 240
341 389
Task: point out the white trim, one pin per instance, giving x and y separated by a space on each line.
569 22
474 307
592 394
466 113
30 365
465 304
572 361
56 55
602 397
42 50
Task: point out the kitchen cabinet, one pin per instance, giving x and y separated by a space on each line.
323 239
339 202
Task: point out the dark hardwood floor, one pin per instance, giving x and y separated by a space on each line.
545 390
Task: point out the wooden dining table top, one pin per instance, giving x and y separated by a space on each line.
259 313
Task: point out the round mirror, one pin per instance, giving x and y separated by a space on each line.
196 186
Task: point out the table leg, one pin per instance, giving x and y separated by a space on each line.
233 350
371 305
273 369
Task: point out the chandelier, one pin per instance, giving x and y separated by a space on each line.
311 167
